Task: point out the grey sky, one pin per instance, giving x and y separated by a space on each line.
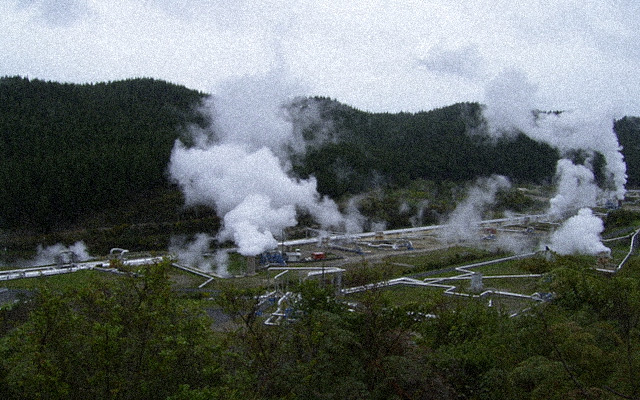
376 55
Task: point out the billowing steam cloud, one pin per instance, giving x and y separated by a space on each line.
580 234
253 112
48 255
419 217
196 253
191 252
512 107
463 221
576 188
240 169
222 263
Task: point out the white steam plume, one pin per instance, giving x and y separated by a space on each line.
576 188
463 221
240 170
511 108
47 255
191 252
516 243
222 263
354 220
511 104
253 111
579 234
418 218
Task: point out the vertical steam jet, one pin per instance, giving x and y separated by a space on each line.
511 108
240 167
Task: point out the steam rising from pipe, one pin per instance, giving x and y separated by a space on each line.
47 255
222 263
191 252
240 168
579 234
576 188
511 108
418 218
464 220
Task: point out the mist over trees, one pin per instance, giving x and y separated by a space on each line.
445 144
69 151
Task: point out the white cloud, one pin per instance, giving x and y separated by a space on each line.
361 53
54 12
465 62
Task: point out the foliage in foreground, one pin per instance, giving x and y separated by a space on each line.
128 340
134 338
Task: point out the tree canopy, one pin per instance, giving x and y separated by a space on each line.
69 151
445 144
135 338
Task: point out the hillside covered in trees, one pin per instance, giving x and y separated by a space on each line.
438 145
70 151
628 130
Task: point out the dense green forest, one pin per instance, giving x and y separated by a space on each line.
89 155
396 149
628 130
71 150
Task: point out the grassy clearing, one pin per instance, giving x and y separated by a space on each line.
428 296
262 279
510 305
515 267
183 280
403 295
632 268
443 258
62 282
397 266
525 286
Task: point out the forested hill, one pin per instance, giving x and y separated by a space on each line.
70 150
395 149
628 130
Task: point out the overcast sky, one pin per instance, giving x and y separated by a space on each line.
376 55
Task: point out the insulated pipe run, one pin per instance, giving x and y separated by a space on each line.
36 272
278 314
450 289
634 237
